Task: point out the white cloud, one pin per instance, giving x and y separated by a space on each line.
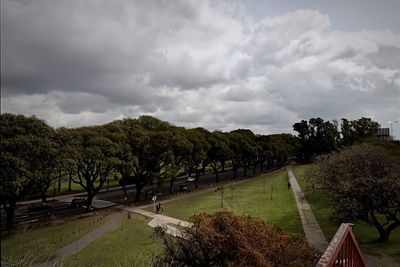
193 63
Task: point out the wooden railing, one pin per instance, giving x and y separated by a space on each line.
343 250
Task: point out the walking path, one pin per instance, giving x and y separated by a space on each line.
171 225
311 228
72 248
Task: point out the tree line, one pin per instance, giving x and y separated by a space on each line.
319 137
138 151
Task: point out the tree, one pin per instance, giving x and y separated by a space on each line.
179 151
28 159
218 153
225 239
317 137
149 148
94 156
357 131
244 149
198 155
363 183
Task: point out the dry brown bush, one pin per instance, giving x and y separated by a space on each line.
225 239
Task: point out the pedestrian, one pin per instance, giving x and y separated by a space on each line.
162 208
158 206
288 185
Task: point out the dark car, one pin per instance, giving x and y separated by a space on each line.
39 207
78 202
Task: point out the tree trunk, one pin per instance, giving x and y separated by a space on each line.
10 211
69 182
235 171
124 187
43 196
171 185
197 179
59 184
139 188
89 202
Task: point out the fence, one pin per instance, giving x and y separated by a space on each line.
343 250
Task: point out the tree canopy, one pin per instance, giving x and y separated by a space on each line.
363 183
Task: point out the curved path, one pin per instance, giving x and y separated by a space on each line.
114 219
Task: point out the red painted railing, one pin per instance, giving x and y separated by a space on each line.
343 250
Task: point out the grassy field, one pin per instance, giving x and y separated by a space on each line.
41 242
366 235
130 244
252 197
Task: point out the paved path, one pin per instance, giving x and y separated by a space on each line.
113 220
171 225
311 228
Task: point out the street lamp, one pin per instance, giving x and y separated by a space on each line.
391 128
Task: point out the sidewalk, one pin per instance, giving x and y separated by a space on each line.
312 230
171 225
72 248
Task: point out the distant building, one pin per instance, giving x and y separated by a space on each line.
383 134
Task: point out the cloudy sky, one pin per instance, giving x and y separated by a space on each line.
262 65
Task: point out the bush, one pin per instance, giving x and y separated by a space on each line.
225 239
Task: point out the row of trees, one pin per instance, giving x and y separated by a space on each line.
141 151
318 137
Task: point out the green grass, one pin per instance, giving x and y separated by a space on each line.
247 198
366 235
41 242
130 244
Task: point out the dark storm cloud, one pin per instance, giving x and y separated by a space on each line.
195 63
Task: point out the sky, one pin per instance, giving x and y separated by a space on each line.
221 65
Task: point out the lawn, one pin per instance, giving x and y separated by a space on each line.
252 197
41 242
366 235
130 244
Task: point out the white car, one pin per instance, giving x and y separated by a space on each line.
190 179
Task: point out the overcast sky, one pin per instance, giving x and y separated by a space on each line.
262 65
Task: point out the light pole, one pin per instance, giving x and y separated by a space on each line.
391 128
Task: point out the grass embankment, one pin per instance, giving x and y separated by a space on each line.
130 244
252 197
366 235
38 244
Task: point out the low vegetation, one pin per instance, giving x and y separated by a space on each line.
130 244
225 239
27 245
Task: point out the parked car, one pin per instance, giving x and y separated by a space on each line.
39 207
190 179
78 202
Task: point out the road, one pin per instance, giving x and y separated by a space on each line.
62 206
